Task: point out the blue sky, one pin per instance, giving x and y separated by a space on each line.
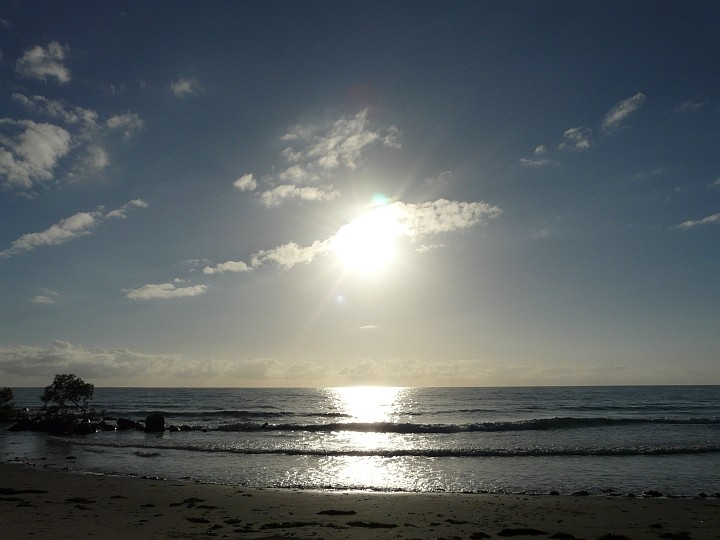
338 193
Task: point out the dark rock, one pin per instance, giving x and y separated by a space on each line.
337 512
652 493
198 520
479 536
154 423
372 524
24 425
57 426
123 424
85 428
524 531
13 491
581 493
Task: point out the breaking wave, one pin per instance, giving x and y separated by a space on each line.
536 424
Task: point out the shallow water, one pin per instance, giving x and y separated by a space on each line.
532 440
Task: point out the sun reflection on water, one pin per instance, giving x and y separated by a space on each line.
366 404
370 407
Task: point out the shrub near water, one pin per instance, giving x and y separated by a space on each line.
8 411
66 394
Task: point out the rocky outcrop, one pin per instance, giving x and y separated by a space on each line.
155 423
123 424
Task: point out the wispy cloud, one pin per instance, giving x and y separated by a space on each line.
690 106
43 62
690 224
715 184
57 109
621 111
529 162
291 254
316 154
185 86
76 226
278 195
128 123
153 291
123 210
410 220
578 139
47 297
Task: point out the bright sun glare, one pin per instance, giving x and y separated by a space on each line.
368 243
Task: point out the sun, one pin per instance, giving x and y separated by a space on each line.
368 244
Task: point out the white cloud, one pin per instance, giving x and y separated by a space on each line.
246 182
578 139
122 211
77 225
40 299
291 254
276 196
715 218
229 266
442 216
80 224
411 220
41 63
345 141
84 141
128 123
298 174
540 150
716 183
621 111
164 290
318 153
93 159
29 157
35 366
57 109
48 297
184 86
525 162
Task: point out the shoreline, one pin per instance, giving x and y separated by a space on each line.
49 503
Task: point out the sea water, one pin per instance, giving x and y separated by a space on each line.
517 440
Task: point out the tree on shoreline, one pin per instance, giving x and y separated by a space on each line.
8 411
67 392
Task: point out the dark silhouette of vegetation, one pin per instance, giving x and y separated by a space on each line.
8 411
66 394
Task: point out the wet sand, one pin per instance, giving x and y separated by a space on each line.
42 503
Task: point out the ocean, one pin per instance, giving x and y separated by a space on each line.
597 440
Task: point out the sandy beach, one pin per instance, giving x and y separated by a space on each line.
42 503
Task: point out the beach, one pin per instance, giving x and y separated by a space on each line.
39 502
